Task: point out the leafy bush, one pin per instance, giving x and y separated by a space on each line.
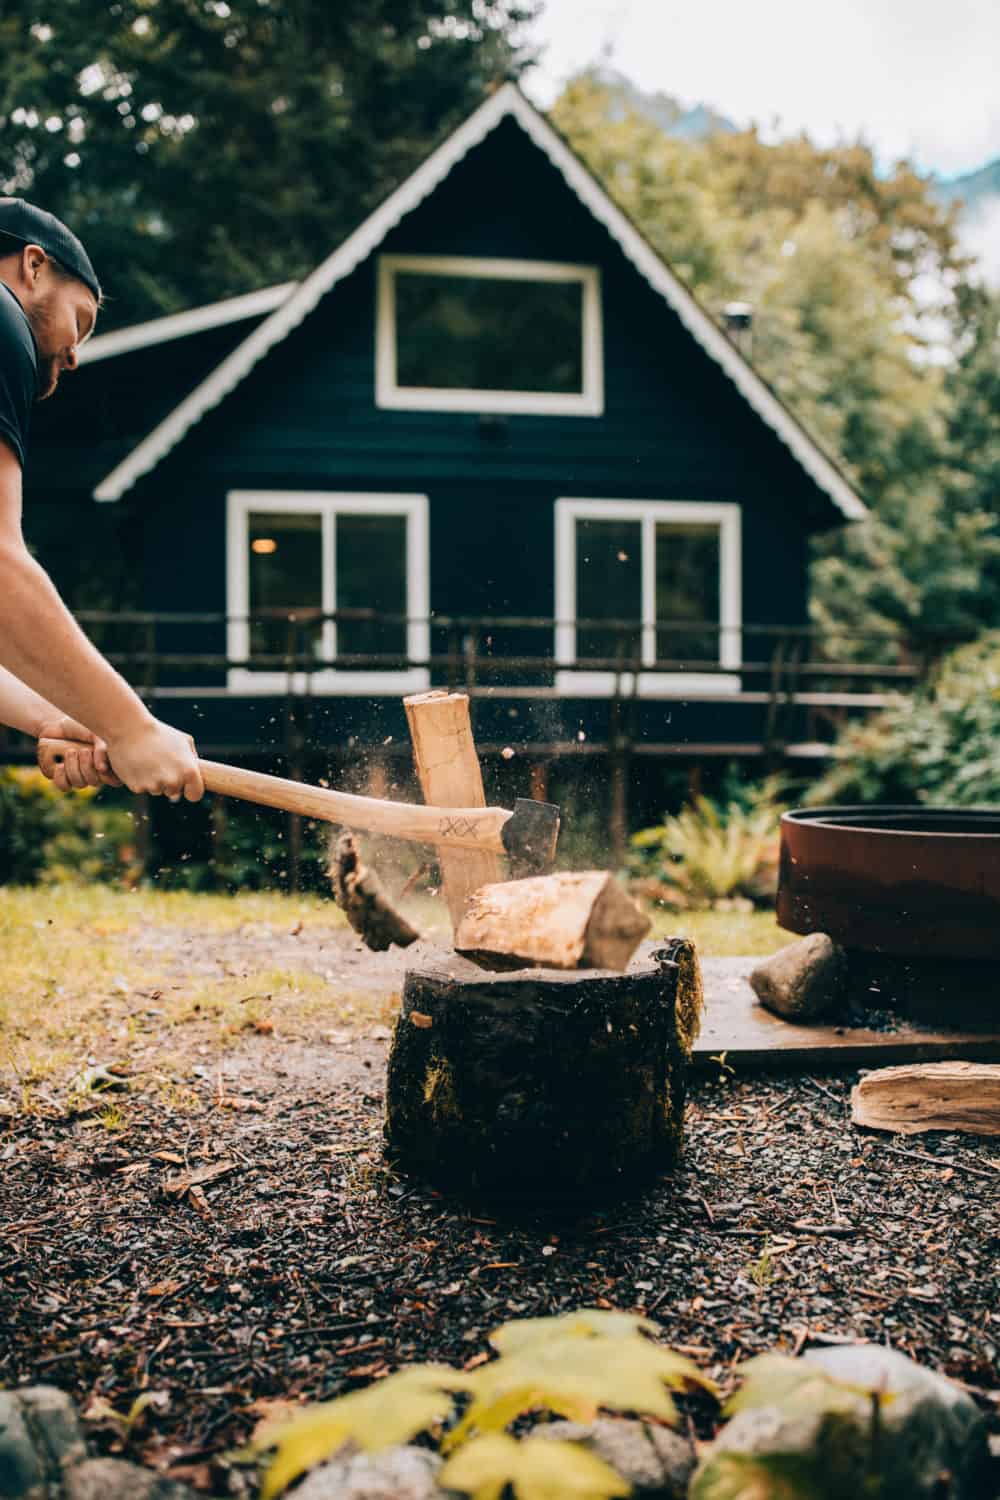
571 1366
47 835
942 745
713 853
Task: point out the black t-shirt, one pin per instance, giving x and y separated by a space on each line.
18 373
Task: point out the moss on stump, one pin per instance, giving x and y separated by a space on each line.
543 1084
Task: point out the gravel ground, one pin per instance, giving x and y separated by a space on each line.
300 1266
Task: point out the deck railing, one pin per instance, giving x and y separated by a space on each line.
787 672
800 684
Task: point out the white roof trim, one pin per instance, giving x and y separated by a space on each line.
179 325
508 100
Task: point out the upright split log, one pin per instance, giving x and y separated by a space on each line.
444 753
540 1085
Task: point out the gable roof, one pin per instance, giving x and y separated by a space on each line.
508 101
180 325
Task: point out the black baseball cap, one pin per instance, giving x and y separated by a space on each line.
35 226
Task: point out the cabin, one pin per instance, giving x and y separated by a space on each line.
491 441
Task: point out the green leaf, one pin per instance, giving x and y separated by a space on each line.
514 1338
535 1469
388 1412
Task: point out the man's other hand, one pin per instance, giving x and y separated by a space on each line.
159 759
87 764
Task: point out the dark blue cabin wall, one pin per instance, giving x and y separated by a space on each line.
674 426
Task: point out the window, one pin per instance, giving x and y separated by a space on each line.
309 555
458 334
650 581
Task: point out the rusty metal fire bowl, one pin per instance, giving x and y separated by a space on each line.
895 880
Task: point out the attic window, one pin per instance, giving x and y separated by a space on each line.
461 334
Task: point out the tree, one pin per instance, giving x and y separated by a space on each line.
836 261
202 148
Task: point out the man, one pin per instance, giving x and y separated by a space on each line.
52 680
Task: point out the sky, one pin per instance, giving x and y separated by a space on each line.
914 78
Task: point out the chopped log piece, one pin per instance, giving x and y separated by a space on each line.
361 897
930 1096
554 921
543 1087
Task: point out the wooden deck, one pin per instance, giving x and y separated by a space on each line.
753 1039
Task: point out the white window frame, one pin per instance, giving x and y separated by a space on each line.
726 515
389 393
328 504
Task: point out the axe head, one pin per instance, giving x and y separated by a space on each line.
529 837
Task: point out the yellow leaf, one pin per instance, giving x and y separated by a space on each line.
388 1412
587 1322
794 1385
535 1469
575 1377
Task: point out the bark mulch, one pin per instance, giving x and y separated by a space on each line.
252 1246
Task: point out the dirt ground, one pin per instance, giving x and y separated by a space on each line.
299 1266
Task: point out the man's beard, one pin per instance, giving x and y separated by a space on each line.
48 372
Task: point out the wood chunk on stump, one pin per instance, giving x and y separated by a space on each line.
567 921
543 1087
930 1096
802 981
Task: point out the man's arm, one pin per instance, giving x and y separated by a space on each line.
24 709
42 645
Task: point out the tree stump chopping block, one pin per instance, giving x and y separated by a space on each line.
542 1085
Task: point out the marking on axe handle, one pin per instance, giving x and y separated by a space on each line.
456 827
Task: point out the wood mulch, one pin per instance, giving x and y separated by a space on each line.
246 1244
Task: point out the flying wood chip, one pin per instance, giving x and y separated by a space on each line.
360 896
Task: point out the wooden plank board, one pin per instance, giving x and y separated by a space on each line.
752 1038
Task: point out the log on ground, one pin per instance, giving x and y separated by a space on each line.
541 1085
930 1096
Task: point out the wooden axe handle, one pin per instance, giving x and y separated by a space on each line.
451 827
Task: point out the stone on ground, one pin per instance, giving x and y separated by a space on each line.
931 1443
656 1462
43 1456
398 1474
802 981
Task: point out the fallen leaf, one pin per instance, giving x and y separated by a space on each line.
199 1202
419 1019
175 1187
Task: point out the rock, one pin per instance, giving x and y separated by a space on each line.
802 981
22 1476
52 1418
43 1456
398 1474
656 1462
40 1438
931 1442
114 1479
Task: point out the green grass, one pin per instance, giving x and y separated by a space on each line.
73 987
723 934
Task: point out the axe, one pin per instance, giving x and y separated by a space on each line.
527 835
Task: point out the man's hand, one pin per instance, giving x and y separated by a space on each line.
87 765
156 758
